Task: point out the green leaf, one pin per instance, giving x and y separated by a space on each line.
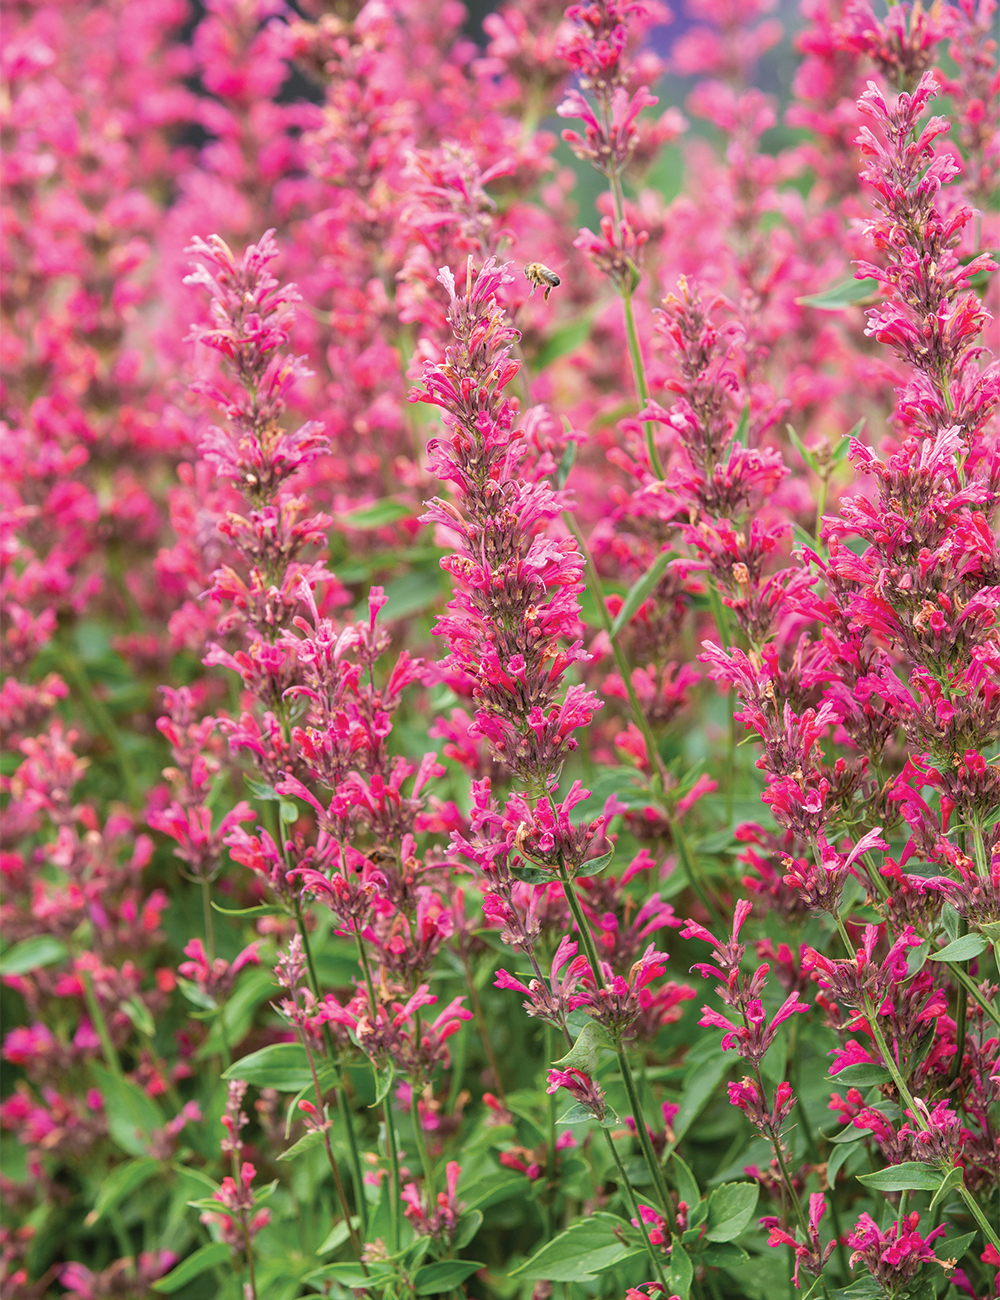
912 1176
264 909
493 1189
594 866
282 1065
568 459
383 512
954 1247
681 1273
844 446
133 1116
261 790
687 1185
533 875
808 457
32 954
443 1275
338 1235
288 812
866 1289
140 1015
255 985
740 435
466 1228
640 591
954 1178
584 1053
839 1156
195 995
579 1252
841 295
383 1082
410 594
121 1183
351 1276
561 343
963 949
700 1082
730 1209
723 1254
866 1074
204 1258
305 1143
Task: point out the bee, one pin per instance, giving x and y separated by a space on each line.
537 275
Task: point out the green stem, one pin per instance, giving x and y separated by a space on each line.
973 1208
477 1011
621 663
639 375
206 908
248 1251
623 1178
550 1150
338 1182
391 1141
635 1105
907 1098
631 333
821 507
101 1025
340 1093
101 720
392 1150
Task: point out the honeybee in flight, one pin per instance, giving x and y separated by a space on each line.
538 275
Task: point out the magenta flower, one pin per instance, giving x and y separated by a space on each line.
581 1087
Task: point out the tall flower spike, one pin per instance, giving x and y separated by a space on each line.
516 591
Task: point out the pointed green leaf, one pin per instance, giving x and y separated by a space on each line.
561 342
584 1053
730 1209
681 1273
443 1275
566 464
841 295
640 591
687 1185
133 1116
844 446
866 1074
378 515
284 1066
338 1235
383 1082
204 1258
579 1252
954 1178
533 875
963 949
305 1143
466 1228
594 866
120 1184
808 457
911 1176
264 909
32 954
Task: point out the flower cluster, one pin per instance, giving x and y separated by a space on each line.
362 755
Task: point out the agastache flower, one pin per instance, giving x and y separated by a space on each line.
553 1003
582 1088
894 1256
810 1255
